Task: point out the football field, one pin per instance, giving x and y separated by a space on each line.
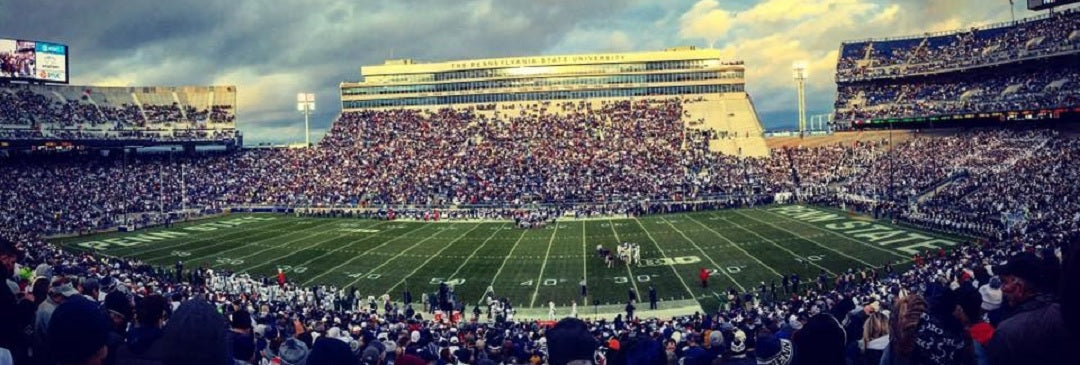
742 248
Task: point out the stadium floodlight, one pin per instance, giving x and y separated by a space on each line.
798 72
305 103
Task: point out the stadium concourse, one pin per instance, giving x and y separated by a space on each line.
1008 295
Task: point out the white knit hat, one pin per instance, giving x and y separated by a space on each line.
991 298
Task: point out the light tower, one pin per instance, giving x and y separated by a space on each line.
305 103
798 71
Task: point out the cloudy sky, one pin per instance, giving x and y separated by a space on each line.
272 49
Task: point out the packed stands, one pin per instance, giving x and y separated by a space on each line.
1000 170
1039 37
1013 194
977 73
172 114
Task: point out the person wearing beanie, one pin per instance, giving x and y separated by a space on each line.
120 311
716 344
821 341
737 348
414 345
293 352
371 356
770 350
330 351
91 289
195 334
991 294
569 342
78 333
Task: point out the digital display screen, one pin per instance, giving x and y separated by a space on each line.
33 61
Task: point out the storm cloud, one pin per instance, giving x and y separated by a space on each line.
273 49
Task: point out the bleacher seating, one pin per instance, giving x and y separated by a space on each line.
87 112
1002 68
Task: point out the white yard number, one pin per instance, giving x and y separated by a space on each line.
811 258
621 280
360 275
228 261
550 282
668 261
729 270
294 269
454 282
642 278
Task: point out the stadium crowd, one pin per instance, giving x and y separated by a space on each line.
996 90
973 47
1010 295
1012 188
22 107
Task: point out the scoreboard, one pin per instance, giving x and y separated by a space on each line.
33 61
1047 4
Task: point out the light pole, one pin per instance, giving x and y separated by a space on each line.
305 103
798 72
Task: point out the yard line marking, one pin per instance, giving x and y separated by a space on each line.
683 281
838 235
243 244
505 259
808 240
584 257
718 267
409 249
629 273
540 278
329 252
283 244
467 259
734 245
180 241
335 268
431 257
781 247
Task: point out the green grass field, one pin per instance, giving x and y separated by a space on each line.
743 247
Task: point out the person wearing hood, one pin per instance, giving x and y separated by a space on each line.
875 339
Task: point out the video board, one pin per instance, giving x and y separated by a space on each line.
33 61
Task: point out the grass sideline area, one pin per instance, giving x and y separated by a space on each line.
741 247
